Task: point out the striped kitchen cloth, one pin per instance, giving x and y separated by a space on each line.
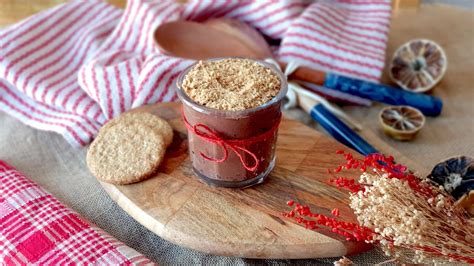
73 67
36 229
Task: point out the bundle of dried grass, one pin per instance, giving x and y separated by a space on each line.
408 217
411 226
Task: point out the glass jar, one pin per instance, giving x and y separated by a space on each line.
232 148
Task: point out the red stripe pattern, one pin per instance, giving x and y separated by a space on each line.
73 67
343 36
35 228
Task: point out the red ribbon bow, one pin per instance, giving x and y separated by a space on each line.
206 133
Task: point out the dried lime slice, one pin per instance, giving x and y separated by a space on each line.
418 65
401 122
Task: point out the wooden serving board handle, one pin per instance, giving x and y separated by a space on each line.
175 205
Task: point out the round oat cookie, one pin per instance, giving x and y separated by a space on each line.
152 121
125 154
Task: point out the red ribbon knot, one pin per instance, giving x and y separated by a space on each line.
208 134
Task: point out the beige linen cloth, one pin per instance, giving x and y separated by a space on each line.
49 160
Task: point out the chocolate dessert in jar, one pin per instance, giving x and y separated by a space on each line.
232 109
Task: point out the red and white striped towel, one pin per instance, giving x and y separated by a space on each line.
36 229
71 68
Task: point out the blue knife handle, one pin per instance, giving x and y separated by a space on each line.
340 131
428 105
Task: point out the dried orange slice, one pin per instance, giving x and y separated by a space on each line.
418 65
401 122
467 202
456 175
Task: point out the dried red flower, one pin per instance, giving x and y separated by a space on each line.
380 163
352 231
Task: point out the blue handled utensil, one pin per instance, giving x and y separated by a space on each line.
340 131
335 127
427 104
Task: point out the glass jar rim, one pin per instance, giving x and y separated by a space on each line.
230 113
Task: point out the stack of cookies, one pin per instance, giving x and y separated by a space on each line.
129 148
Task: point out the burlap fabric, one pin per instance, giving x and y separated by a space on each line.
49 160
452 133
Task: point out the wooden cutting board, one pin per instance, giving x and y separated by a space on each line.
175 205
